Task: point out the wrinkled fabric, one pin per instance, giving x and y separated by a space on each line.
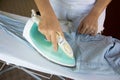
113 56
93 54
90 52
12 26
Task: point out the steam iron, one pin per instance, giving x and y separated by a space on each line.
64 54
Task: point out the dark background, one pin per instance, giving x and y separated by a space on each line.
112 22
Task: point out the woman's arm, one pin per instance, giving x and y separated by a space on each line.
44 7
89 25
99 6
49 24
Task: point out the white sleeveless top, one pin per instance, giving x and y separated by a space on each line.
80 1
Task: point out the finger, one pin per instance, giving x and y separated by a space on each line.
48 37
88 31
79 28
84 29
54 40
94 33
45 33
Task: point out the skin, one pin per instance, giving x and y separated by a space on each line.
89 25
49 24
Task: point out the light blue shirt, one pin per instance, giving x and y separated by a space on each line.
94 54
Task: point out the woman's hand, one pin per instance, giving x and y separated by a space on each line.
49 26
89 25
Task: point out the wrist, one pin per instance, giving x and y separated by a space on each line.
95 13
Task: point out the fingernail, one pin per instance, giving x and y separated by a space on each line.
55 48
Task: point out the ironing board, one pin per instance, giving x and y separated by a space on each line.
15 51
